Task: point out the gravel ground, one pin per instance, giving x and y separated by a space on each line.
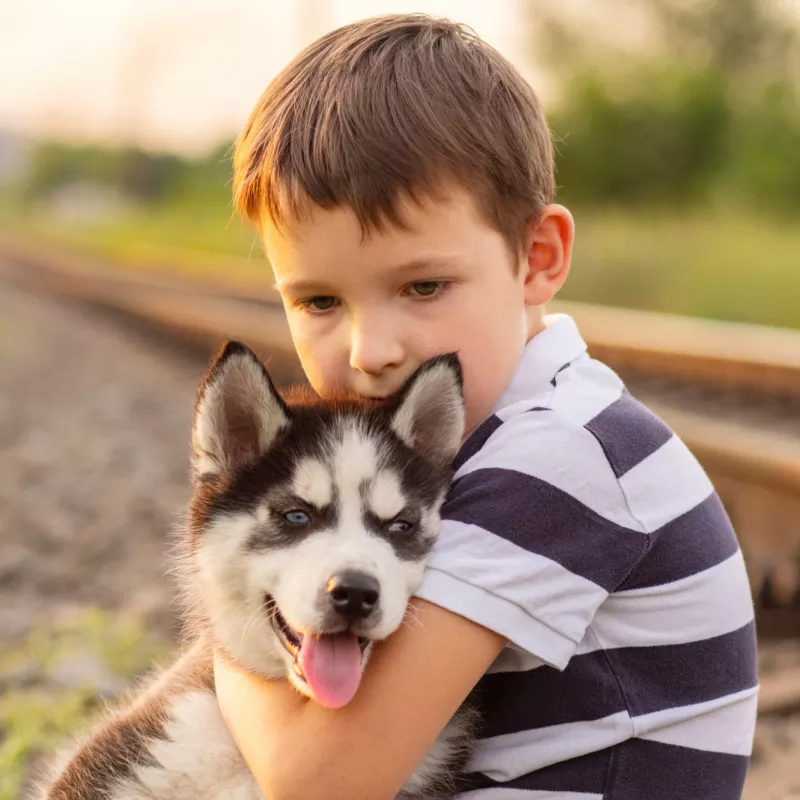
775 770
94 433
775 767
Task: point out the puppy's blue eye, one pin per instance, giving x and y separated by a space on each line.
400 526
297 517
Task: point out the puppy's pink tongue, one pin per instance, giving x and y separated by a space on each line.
331 664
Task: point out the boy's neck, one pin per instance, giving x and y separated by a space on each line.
534 316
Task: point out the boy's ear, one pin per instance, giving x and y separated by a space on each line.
237 416
428 412
549 253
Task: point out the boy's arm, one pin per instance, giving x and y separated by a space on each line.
413 684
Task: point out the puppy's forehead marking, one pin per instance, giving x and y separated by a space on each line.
385 496
355 458
313 482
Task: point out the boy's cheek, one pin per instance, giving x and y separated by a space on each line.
313 371
310 346
321 369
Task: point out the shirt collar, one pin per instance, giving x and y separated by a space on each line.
544 355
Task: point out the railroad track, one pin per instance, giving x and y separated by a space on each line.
731 391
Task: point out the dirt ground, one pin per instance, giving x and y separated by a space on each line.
775 768
94 431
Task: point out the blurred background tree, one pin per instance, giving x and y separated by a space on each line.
706 112
741 40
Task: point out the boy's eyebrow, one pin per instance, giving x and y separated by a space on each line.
424 263
297 287
408 267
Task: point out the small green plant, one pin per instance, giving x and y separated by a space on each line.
55 681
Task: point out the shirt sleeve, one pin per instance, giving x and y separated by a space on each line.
535 534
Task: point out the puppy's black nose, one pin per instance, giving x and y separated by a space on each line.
354 595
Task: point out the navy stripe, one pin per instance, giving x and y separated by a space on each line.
584 774
518 701
652 679
543 519
636 769
656 771
628 432
694 542
656 678
476 440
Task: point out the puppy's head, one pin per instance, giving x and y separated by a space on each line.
311 520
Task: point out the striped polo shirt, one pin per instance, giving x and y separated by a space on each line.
583 530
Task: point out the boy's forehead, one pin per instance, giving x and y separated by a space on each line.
311 235
431 228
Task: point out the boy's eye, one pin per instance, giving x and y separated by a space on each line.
322 302
426 288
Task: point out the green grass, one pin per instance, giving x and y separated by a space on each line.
36 714
723 266
205 243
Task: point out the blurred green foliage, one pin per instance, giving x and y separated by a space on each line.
673 136
709 115
140 175
39 709
138 209
659 137
763 168
740 267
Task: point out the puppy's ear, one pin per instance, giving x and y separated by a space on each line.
237 416
428 412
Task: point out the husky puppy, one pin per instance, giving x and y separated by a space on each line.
306 536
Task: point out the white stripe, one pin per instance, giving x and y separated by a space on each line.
707 604
724 725
584 390
520 594
523 406
525 794
546 446
665 485
513 659
511 755
497 614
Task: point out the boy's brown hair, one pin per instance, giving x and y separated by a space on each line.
391 106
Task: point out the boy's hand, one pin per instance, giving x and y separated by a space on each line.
412 685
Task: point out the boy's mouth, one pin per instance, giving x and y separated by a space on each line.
329 663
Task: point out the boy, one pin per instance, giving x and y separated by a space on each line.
586 576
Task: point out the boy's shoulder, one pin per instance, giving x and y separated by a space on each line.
582 439
576 490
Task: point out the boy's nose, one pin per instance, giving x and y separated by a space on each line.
375 349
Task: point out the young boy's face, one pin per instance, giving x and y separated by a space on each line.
365 312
